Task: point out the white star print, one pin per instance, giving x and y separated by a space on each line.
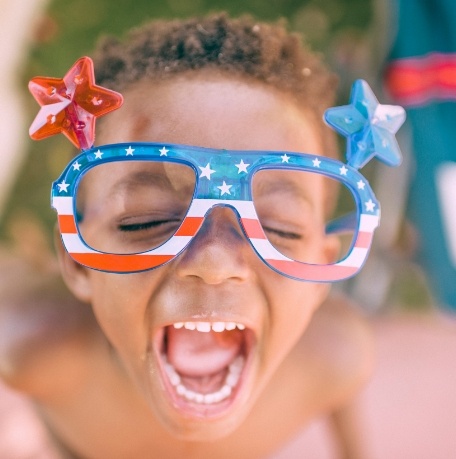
76 166
98 154
361 185
224 188
285 158
343 170
242 166
370 205
316 162
63 186
129 151
206 171
163 151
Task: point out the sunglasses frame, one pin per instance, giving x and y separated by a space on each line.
234 166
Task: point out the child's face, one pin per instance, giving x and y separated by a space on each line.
218 279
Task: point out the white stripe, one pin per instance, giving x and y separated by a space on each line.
63 204
368 223
267 251
200 207
171 247
355 259
74 245
246 209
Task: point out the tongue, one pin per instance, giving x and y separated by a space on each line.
196 354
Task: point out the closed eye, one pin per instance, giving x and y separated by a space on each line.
147 225
282 234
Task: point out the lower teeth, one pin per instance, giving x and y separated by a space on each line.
231 380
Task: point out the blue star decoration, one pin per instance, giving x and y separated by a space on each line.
369 126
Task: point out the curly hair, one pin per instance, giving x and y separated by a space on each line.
241 46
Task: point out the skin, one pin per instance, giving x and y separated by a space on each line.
218 277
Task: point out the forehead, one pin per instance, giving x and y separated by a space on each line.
214 111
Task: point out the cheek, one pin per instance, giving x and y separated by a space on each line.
292 308
120 305
313 249
300 300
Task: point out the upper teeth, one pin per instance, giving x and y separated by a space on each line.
208 326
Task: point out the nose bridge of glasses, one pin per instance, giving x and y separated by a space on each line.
224 214
223 222
223 177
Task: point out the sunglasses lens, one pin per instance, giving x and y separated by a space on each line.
306 216
133 206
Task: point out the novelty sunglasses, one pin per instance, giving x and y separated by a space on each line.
131 207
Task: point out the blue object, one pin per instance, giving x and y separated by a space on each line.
419 75
369 127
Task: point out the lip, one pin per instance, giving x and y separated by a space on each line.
200 410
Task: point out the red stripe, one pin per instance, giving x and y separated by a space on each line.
415 81
120 263
313 272
253 228
190 226
364 240
67 224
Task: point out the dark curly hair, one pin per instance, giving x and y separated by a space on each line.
243 47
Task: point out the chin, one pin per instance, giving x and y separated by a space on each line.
204 431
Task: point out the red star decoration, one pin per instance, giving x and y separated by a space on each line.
71 104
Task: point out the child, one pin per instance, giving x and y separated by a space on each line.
206 356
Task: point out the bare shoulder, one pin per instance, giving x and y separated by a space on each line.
338 347
44 331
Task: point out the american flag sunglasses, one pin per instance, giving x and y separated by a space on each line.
220 178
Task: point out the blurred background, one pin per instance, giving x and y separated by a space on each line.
406 50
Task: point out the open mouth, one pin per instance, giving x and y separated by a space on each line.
204 364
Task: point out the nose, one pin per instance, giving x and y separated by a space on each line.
219 251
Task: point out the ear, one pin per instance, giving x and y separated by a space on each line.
76 276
